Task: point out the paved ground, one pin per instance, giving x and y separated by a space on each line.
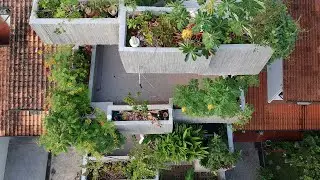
246 169
112 83
25 160
66 166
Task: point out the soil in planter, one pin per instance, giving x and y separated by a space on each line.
110 171
152 115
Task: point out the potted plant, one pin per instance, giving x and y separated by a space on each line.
218 39
136 118
75 22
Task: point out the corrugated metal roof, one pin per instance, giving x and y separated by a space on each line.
280 115
302 69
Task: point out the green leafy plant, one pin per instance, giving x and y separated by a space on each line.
276 28
190 174
219 155
136 106
265 174
143 163
302 158
263 22
219 96
244 116
75 9
183 144
98 170
67 123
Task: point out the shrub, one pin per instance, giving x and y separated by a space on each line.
183 144
144 162
76 9
264 22
67 123
219 96
276 28
219 155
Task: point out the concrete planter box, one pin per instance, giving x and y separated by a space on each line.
179 116
230 59
142 127
89 31
108 159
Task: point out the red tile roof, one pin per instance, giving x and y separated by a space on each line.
23 82
302 69
280 115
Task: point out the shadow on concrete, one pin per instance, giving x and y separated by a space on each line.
112 83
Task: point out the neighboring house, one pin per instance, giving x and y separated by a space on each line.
288 97
22 92
22 75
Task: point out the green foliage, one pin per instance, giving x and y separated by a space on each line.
217 96
98 170
306 156
75 9
244 116
190 174
264 22
67 123
276 28
159 33
134 3
183 144
265 174
136 107
190 50
179 15
302 158
219 155
143 163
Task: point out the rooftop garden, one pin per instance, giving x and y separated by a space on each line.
68 123
215 97
157 152
78 9
200 33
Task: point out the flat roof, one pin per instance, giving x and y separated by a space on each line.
112 83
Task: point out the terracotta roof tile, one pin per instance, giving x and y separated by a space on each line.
23 79
280 115
302 69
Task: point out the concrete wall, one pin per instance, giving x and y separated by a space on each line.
179 116
4 143
138 127
89 31
230 59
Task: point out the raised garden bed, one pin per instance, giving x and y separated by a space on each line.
110 168
85 27
158 120
153 116
229 59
